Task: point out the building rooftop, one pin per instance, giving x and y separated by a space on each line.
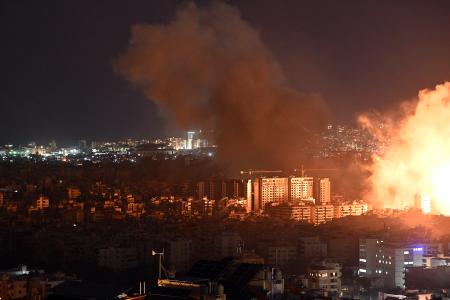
210 269
160 292
85 290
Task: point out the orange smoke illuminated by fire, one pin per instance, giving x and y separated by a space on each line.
414 153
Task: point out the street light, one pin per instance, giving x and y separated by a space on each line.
161 254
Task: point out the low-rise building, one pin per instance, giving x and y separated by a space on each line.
135 208
352 209
325 277
322 214
42 202
290 211
73 193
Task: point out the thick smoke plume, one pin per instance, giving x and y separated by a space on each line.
208 69
414 161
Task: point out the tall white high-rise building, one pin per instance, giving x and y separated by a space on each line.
266 190
190 139
249 195
300 188
324 191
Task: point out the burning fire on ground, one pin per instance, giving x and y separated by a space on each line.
412 168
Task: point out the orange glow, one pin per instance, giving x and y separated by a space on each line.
415 157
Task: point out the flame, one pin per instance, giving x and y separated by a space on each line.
414 157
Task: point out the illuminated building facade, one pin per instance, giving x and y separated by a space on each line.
322 214
300 188
354 209
250 196
190 139
288 211
324 191
239 188
325 277
268 190
135 209
73 193
302 206
301 213
177 143
393 260
191 142
390 261
42 202
368 248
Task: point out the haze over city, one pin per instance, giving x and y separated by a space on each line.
357 55
225 150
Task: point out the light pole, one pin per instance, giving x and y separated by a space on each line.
161 254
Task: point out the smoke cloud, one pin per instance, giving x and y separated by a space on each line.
208 69
414 159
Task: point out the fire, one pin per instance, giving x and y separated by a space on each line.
415 158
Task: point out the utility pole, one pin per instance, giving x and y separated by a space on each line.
161 255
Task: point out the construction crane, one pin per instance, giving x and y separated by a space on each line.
251 172
303 170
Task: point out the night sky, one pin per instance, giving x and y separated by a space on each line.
56 56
